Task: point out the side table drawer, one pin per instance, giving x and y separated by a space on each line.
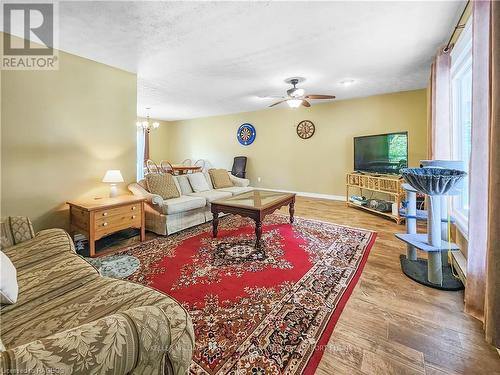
117 219
107 214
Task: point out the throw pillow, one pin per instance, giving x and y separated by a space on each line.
198 182
209 180
8 281
162 184
184 184
220 178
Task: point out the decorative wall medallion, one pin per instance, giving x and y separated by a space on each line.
246 134
305 129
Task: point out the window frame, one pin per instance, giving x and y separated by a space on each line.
461 63
140 144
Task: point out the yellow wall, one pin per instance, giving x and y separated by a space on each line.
282 159
159 140
61 131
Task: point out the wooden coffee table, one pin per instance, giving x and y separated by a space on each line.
255 204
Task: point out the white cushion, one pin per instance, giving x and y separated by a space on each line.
177 186
209 179
235 190
198 182
182 204
212 195
8 281
184 184
243 182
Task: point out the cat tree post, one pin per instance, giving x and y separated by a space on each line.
444 227
411 219
434 267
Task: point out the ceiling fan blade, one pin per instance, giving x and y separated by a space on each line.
271 96
281 101
320 96
305 103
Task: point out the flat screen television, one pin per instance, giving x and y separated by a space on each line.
382 153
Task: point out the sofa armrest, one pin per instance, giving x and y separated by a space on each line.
237 181
15 230
152 199
136 341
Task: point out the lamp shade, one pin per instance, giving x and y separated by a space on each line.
113 176
294 103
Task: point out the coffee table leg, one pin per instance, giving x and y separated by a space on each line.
258 232
292 211
215 224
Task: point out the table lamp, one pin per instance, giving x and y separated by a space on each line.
113 176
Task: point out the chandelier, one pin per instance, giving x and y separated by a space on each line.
147 125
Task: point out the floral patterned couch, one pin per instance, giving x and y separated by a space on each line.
70 320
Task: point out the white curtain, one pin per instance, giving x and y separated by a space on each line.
478 175
439 146
140 154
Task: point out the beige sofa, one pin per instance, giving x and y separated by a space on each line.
169 216
70 320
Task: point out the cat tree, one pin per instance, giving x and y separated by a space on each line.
435 183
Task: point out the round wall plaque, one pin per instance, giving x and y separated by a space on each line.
246 134
305 129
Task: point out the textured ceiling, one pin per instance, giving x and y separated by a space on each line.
197 59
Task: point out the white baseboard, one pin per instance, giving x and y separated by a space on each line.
310 195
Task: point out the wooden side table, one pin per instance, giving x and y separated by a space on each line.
97 218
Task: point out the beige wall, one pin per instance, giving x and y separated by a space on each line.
282 159
61 131
159 141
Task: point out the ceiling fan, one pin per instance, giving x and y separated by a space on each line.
295 96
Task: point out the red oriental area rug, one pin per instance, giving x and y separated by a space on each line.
258 311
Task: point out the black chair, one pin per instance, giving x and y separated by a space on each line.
239 166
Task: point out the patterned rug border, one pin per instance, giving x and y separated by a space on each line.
315 359
324 222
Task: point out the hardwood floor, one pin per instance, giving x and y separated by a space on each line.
392 325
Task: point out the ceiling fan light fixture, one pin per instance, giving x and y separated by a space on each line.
347 82
297 93
294 103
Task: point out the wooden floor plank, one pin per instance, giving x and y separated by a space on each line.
374 363
388 349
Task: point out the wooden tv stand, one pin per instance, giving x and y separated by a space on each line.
381 184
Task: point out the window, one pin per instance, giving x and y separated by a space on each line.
398 149
140 154
461 89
